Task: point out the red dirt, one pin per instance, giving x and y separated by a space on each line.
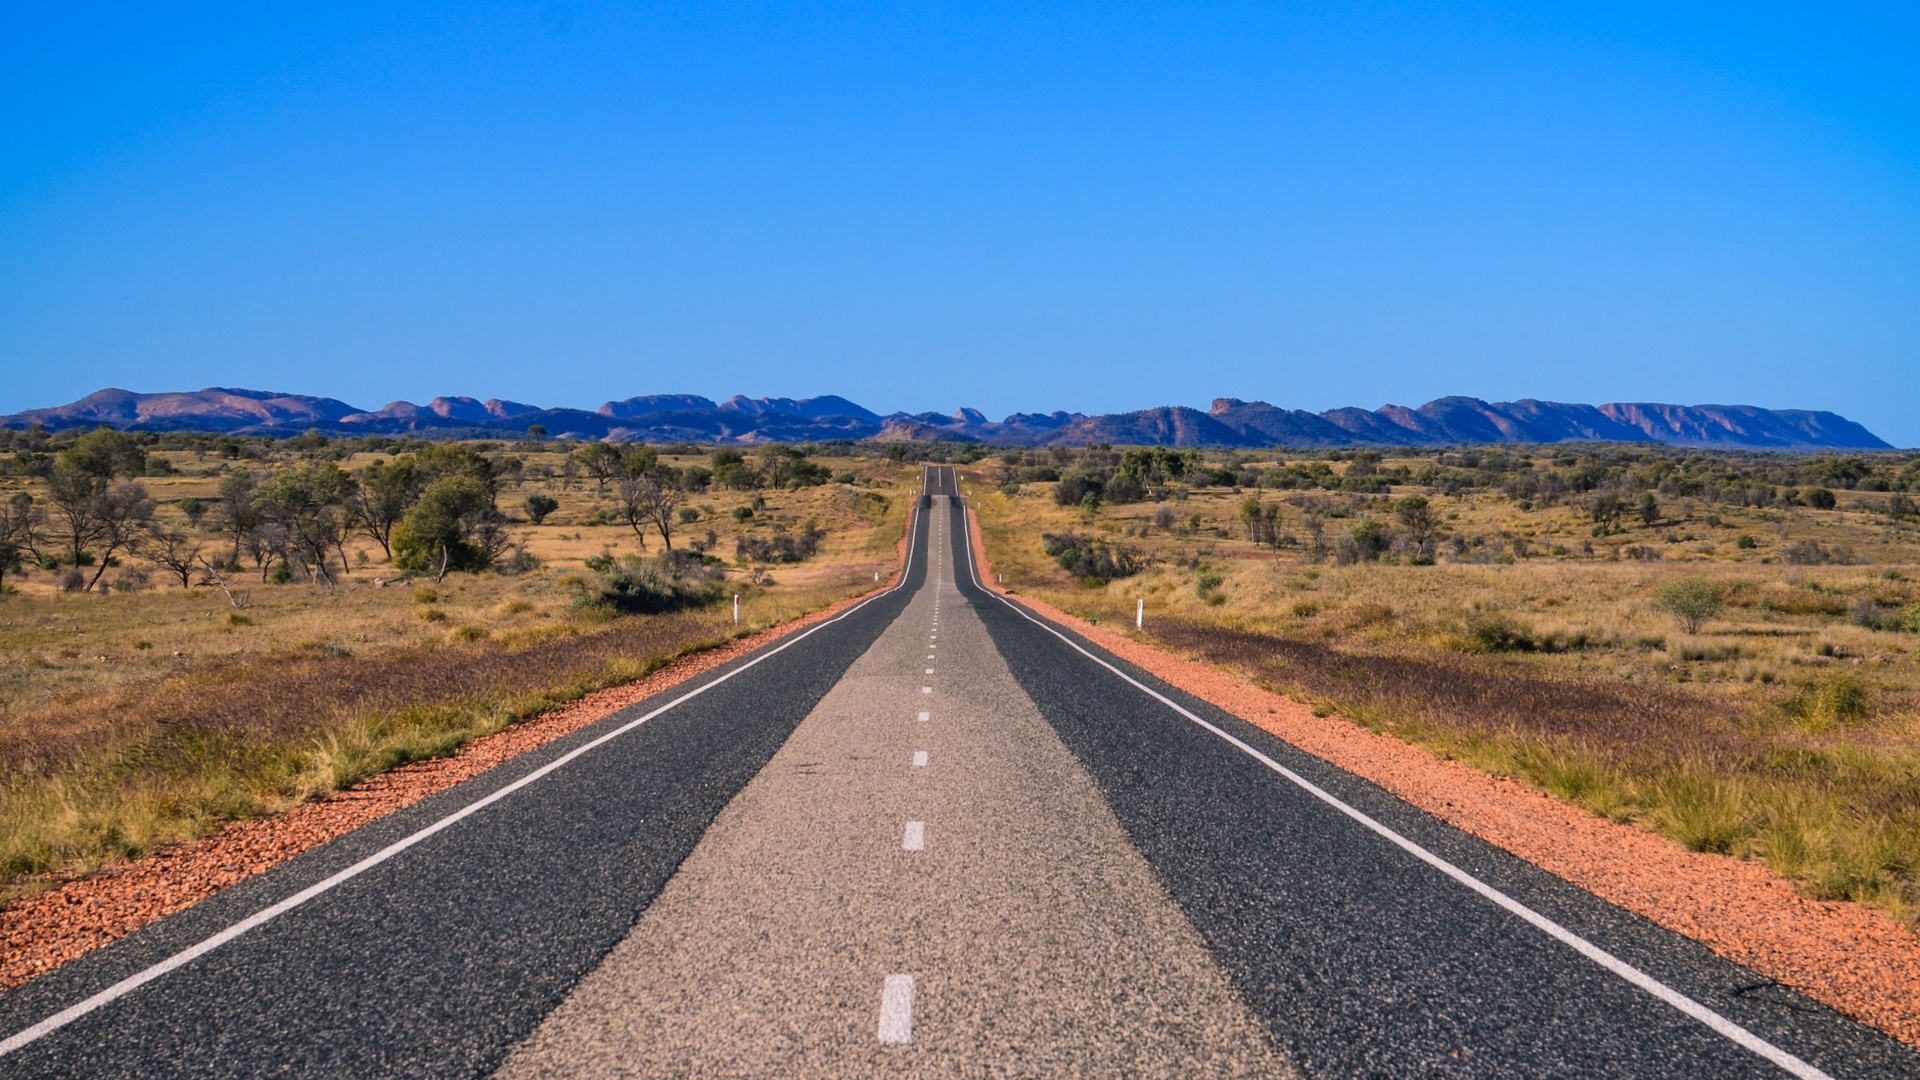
40 932
1849 957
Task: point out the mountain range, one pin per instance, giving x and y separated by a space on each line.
1230 422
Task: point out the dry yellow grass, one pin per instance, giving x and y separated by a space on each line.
136 716
1783 730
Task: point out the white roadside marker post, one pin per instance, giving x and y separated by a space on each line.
1140 615
736 609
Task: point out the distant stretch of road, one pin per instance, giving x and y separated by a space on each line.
936 835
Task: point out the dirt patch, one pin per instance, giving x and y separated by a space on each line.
1852 958
40 932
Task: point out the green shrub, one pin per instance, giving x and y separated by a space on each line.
1499 633
781 547
1692 600
670 581
539 506
1092 561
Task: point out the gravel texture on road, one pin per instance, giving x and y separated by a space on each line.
1038 941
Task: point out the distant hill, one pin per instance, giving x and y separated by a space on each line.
1230 422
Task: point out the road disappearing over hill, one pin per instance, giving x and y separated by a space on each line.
934 835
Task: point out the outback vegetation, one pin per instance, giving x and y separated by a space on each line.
1723 647
199 628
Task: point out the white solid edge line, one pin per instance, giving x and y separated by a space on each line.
896 1010
268 914
1719 1024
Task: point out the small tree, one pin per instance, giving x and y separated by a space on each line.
386 492
74 493
20 523
602 461
1607 507
1649 509
120 514
239 516
539 505
1692 600
651 499
9 561
106 453
309 506
174 551
454 526
1418 519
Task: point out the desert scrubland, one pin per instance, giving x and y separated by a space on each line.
199 629
1720 647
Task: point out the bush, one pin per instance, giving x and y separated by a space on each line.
781 547
1073 490
1123 489
670 581
1811 553
1692 600
454 525
1094 562
1498 633
1365 542
539 506
1819 498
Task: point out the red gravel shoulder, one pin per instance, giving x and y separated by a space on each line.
40 932
1847 956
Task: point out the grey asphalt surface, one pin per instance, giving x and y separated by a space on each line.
1106 888
1040 942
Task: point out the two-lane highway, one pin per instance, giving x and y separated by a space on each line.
936 836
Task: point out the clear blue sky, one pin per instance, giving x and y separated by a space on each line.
1028 206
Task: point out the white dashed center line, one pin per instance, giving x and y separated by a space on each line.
926 689
919 759
916 837
929 671
925 716
896 1011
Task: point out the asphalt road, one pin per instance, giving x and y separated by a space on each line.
843 856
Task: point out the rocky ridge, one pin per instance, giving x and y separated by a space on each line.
1230 422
